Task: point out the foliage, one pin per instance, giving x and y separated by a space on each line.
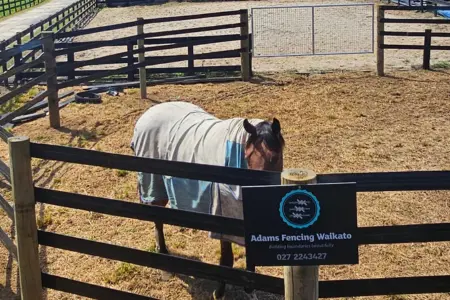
18 101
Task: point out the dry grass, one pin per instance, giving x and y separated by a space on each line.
349 122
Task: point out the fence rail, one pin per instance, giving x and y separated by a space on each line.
427 34
54 70
70 69
148 21
366 182
25 45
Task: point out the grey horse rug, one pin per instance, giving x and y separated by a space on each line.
181 131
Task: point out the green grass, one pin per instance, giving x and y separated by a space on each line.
125 271
441 65
36 32
18 101
121 173
11 7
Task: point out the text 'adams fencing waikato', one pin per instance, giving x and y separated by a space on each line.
312 30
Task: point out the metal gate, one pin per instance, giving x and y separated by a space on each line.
312 30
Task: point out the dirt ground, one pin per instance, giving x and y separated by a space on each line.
337 30
342 122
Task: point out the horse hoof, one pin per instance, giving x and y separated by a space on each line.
165 276
218 295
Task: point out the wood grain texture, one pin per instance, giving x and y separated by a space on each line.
245 46
25 218
141 59
52 82
300 282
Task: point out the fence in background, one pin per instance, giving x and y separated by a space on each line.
52 70
22 151
421 4
68 19
9 7
312 30
427 34
70 68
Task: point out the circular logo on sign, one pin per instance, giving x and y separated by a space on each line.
299 209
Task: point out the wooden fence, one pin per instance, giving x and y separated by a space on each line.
68 19
427 34
5 173
22 52
69 69
9 7
54 70
22 150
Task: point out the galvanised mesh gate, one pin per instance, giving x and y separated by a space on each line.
312 30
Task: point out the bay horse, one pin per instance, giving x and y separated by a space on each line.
181 131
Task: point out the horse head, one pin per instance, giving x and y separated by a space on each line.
264 147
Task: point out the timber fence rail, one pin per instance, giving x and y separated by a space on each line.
158 41
365 182
5 172
427 34
47 76
70 18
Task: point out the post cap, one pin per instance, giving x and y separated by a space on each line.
298 174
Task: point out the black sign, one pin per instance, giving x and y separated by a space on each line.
312 224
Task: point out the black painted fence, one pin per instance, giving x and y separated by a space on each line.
68 69
69 74
365 182
427 34
67 19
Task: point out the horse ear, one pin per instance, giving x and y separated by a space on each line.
276 127
249 127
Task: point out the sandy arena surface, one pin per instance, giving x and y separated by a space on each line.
341 29
342 122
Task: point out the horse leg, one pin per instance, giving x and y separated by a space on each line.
226 260
159 237
159 233
160 241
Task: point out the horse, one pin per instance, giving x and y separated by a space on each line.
182 131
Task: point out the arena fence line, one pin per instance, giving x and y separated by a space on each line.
54 70
427 34
70 69
22 151
70 18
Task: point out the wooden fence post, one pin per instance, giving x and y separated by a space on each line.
142 72
71 60
130 60
380 42
300 282
245 46
25 218
18 58
52 83
4 65
190 58
427 50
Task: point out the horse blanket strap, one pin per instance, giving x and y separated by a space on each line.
182 131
